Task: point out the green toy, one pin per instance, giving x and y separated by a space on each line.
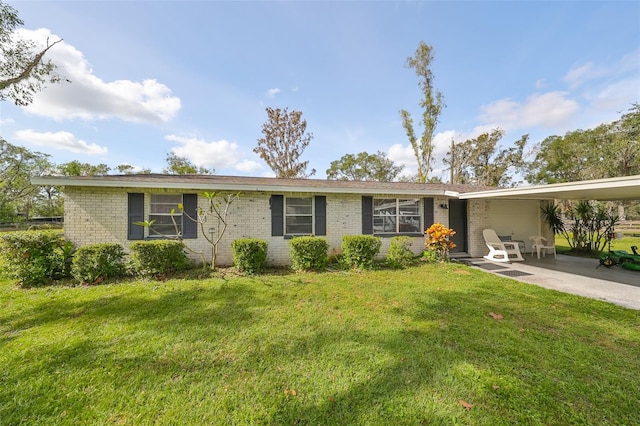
621 257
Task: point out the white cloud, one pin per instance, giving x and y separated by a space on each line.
577 76
220 154
551 110
273 92
7 121
60 140
88 97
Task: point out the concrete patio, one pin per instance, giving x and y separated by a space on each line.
573 275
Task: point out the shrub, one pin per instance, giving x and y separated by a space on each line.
96 262
359 251
35 258
249 254
400 254
158 257
439 240
309 253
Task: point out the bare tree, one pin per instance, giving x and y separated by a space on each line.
432 103
284 142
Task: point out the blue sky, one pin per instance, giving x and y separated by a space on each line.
194 78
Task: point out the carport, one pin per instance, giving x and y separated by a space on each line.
566 273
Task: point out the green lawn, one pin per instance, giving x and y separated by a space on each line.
562 246
337 348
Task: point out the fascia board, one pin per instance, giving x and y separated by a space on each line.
97 183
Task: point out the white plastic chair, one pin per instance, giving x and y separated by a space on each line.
501 251
540 246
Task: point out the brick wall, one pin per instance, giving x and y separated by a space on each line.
94 215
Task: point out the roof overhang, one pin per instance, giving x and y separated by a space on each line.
612 189
268 185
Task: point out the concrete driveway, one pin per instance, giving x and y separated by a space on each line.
573 275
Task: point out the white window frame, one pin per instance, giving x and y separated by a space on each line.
288 215
166 214
399 217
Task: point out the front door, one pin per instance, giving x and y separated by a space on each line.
458 222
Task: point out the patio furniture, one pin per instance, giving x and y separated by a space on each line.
500 251
540 246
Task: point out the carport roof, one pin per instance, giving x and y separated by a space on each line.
619 188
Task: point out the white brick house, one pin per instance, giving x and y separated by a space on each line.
103 209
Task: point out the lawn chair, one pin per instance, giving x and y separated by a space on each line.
501 251
540 245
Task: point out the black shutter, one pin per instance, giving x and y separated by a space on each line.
367 215
189 226
135 213
277 215
428 213
321 215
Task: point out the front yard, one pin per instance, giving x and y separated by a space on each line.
433 344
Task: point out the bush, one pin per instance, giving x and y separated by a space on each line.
96 262
400 254
35 258
158 257
249 254
359 251
309 253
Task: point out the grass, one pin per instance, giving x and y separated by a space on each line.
383 347
625 243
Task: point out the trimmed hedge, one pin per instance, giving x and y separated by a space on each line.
400 254
36 258
359 251
249 254
309 253
158 257
96 262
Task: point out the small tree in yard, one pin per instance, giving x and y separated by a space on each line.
217 211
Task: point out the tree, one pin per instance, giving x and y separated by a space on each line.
17 166
477 161
76 168
364 166
177 165
432 103
609 150
23 70
284 142
127 169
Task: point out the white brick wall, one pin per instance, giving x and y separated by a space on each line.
95 215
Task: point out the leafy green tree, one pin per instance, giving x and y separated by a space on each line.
283 143
432 105
609 150
177 165
478 160
364 167
23 69
17 166
76 168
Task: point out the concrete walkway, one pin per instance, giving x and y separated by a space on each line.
573 275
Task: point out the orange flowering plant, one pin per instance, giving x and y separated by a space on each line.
439 240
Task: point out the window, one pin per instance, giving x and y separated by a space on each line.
298 216
160 211
396 215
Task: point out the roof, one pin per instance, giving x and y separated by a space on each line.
262 184
619 188
611 189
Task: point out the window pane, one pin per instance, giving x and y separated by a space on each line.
299 206
384 224
166 198
384 207
299 225
409 207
